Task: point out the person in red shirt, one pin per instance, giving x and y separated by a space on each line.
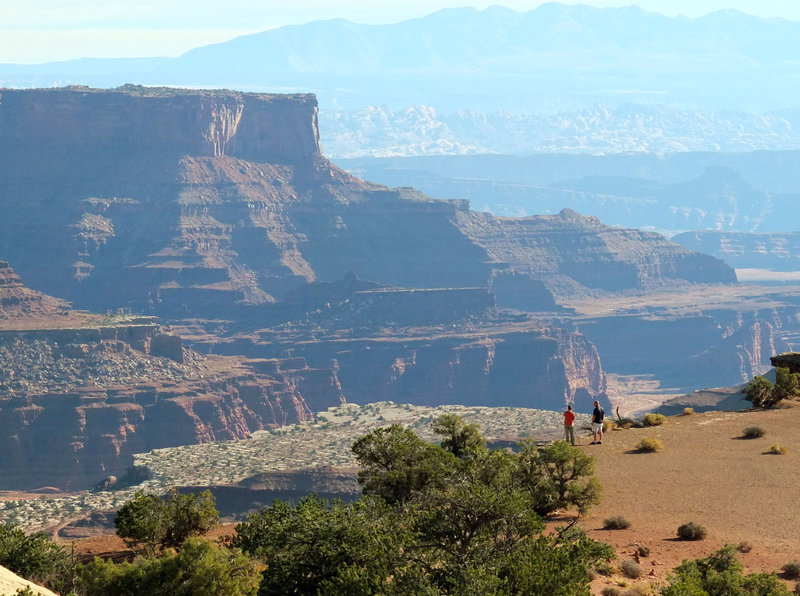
569 425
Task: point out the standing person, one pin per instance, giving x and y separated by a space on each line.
569 425
598 414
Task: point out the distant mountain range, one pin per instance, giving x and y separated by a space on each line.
549 59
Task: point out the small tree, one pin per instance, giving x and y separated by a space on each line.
156 523
396 463
34 556
758 391
763 394
558 475
786 385
460 439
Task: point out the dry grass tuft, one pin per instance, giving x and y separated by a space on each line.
654 419
649 445
776 449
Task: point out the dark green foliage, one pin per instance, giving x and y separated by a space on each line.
200 568
791 570
460 439
753 432
35 557
554 565
451 519
786 385
691 531
758 391
154 523
616 522
318 545
558 475
395 463
720 574
763 394
644 551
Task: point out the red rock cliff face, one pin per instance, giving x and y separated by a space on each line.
136 121
191 202
536 367
72 413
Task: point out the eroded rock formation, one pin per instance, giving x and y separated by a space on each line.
187 202
78 400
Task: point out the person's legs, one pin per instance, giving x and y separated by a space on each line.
569 432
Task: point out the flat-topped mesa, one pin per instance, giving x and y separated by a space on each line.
790 360
133 120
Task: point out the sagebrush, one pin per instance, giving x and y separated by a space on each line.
753 432
691 531
616 522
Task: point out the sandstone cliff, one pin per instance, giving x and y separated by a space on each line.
71 414
81 393
192 202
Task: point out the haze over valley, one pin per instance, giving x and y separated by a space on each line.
301 233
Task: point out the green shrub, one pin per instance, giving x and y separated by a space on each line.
649 445
791 570
200 568
654 419
776 449
688 411
610 591
761 393
630 568
721 574
616 522
34 556
758 391
643 551
691 531
156 523
753 432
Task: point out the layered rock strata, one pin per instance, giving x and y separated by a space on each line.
188 203
77 401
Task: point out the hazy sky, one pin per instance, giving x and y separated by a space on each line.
34 31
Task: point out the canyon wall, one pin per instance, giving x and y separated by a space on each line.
189 203
76 404
526 365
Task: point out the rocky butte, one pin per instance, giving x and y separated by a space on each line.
217 212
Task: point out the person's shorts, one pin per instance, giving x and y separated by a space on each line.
597 427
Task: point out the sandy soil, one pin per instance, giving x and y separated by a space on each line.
708 474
